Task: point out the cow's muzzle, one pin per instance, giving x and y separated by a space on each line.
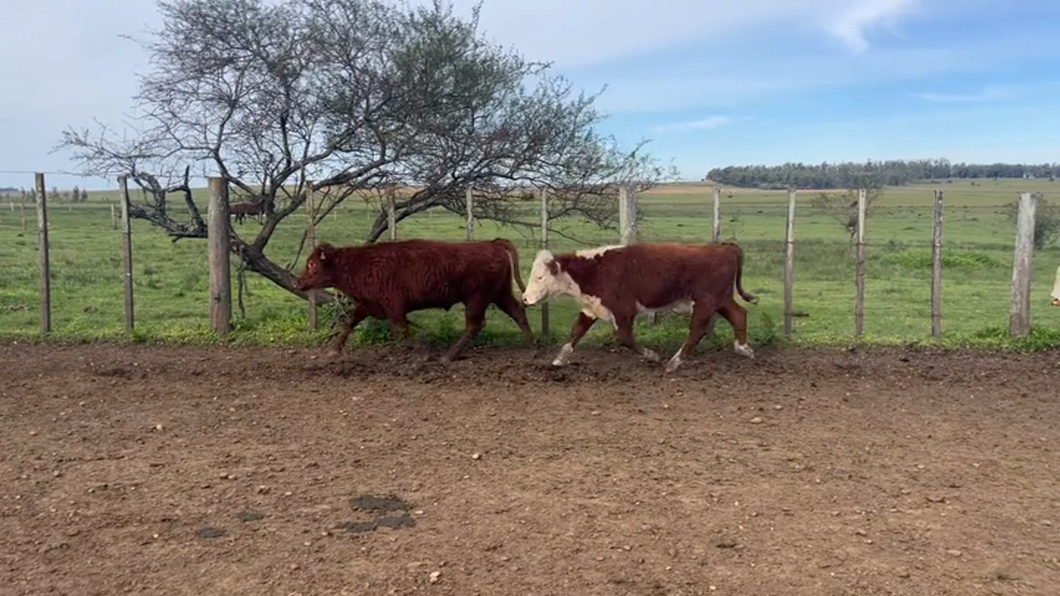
1056 301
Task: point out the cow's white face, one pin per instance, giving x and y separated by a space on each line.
547 279
1056 288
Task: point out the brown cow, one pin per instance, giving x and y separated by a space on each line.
387 280
616 283
241 210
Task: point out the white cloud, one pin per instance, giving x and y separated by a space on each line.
705 124
853 22
731 79
986 94
590 32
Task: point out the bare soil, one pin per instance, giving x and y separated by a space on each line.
168 470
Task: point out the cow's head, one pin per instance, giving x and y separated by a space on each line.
319 269
1056 288
547 278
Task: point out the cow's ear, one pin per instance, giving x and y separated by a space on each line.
553 266
325 250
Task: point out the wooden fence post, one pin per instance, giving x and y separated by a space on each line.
859 297
391 215
789 266
545 323
219 240
126 232
627 216
469 198
42 247
627 227
1055 295
1019 322
716 234
22 211
311 240
936 268
717 215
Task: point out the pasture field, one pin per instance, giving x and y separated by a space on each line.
171 280
270 471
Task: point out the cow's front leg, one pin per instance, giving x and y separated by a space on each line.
399 327
624 334
578 330
352 319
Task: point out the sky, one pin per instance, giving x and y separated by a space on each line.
709 83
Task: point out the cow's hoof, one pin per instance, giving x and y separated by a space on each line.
743 350
650 355
672 365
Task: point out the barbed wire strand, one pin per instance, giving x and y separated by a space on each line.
54 173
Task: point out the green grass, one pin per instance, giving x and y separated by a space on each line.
171 280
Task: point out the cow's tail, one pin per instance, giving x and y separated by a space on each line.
751 298
513 259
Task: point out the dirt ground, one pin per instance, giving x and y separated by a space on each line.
166 470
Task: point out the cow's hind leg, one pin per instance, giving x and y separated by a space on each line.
702 315
514 308
624 333
737 315
352 319
474 320
581 326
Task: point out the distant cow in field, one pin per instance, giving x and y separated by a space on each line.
241 210
387 280
615 283
1056 288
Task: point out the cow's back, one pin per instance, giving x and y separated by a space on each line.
428 273
659 274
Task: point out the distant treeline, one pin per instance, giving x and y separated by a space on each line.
870 174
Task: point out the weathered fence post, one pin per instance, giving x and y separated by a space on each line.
391 215
1019 322
1055 296
859 297
219 240
22 211
545 327
469 198
627 227
311 240
627 216
936 268
126 232
42 247
789 266
715 236
717 214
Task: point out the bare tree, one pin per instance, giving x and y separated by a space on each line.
843 207
357 96
1046 221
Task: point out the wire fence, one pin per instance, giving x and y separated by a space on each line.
77 275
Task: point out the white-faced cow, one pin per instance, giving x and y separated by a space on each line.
1056 288
616 283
